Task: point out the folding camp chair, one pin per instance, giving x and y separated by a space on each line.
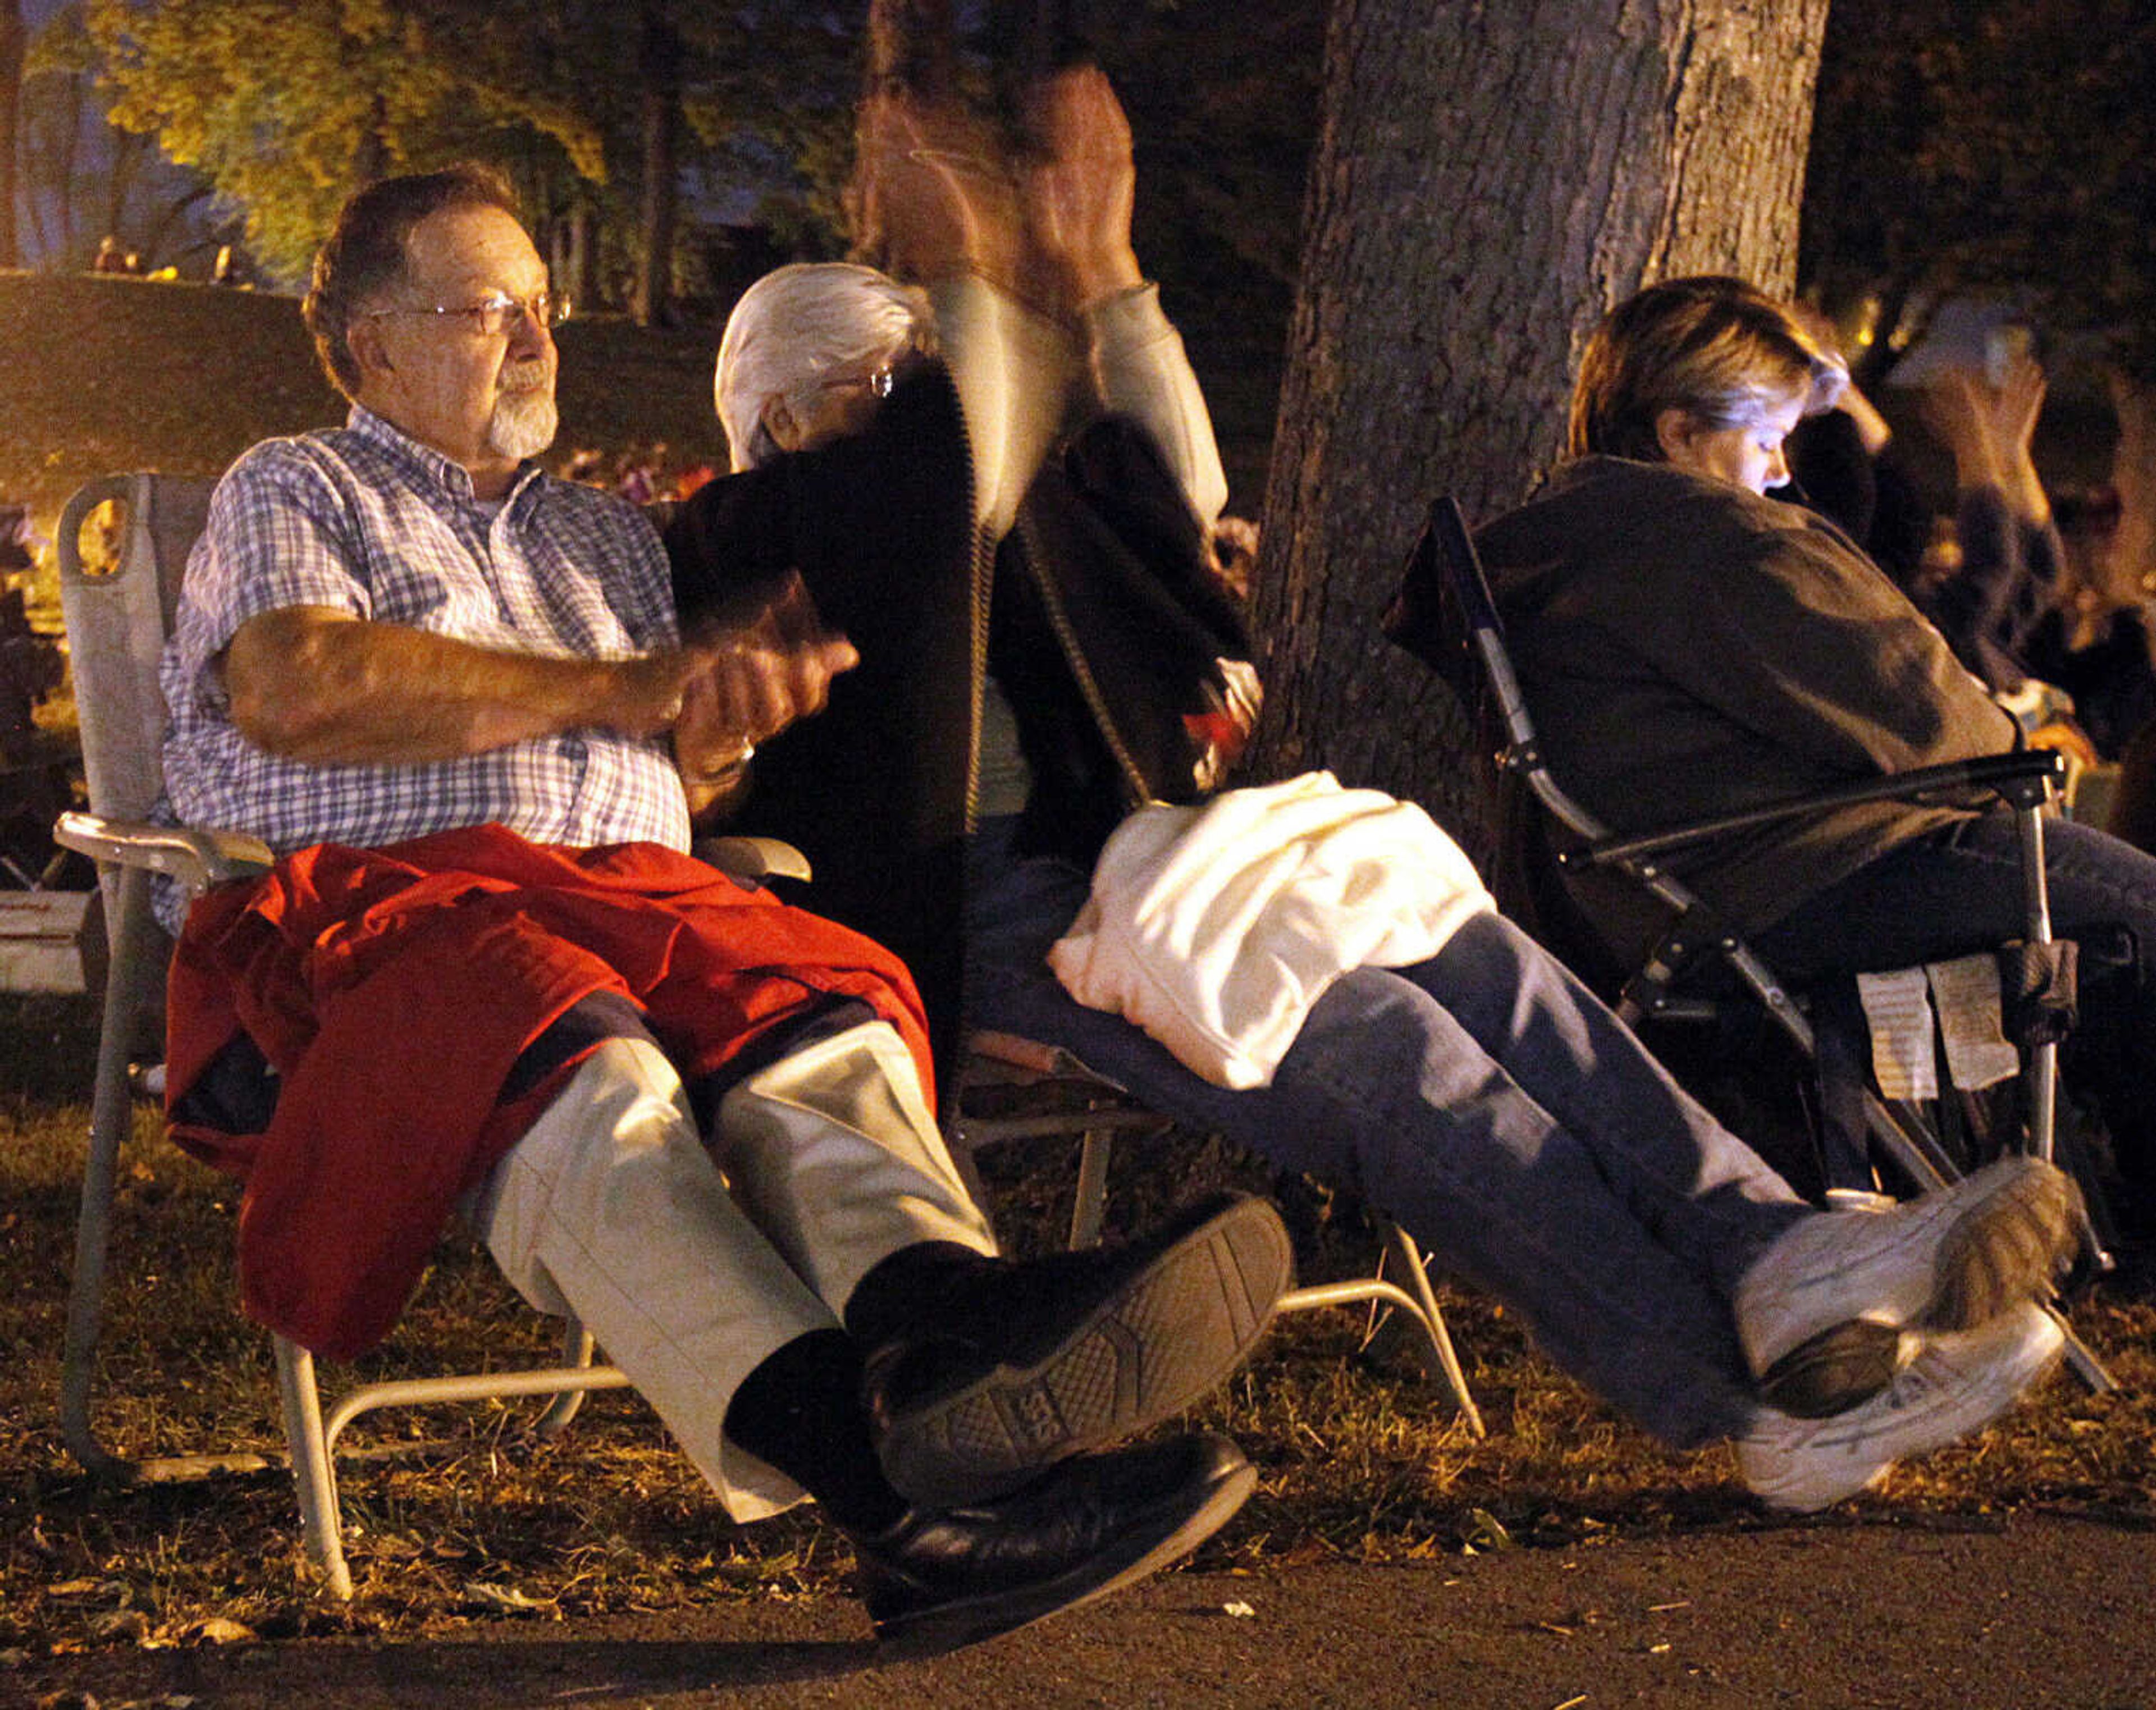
1446 616
119 609
1063 1098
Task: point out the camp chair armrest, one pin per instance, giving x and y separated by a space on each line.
2022 778
196 858
754 857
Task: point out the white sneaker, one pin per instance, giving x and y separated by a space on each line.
1957 1383
1831 1312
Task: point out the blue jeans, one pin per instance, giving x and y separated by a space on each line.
1960 890
1490 1104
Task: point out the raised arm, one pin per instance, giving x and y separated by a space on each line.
1076 191
941 202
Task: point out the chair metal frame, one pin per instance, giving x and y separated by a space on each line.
1444 575
116 625
1100 1110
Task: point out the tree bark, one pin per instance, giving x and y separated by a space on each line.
14 42
1488 181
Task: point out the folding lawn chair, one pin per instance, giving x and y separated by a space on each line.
1446 616
119 609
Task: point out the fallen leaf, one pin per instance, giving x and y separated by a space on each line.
505 1599
219 1630
121 1623
1239 1610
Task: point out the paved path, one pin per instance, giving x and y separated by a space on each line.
2044 1611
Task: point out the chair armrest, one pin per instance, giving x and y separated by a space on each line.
196 858
2024 777
755 857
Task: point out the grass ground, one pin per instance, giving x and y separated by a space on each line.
461 1516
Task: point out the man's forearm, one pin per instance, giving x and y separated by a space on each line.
331 689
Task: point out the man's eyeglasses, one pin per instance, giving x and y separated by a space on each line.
496 313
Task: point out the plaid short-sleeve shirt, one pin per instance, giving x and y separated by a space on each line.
367 520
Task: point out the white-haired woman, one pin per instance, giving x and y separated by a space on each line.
890 441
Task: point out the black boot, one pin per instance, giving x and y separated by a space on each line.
1015 1366
938 1580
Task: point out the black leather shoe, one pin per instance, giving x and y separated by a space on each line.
1031 1362
939 1580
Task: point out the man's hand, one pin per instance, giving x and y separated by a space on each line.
1075 193
755 671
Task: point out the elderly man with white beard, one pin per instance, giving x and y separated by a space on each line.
486 976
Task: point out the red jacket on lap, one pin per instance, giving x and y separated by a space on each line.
392 990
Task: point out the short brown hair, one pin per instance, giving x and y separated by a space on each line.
1718 349
366 250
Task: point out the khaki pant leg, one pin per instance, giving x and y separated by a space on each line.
833 1152
610 1208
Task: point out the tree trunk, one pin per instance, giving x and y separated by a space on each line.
584 251
129 148
659 61
14 41
370 154
65 156
1488 181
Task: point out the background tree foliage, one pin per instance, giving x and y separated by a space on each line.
287 104
2011 144
82 179
283 105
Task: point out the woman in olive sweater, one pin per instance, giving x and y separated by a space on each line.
1690 647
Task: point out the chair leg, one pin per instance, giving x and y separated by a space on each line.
313 1472
1415 1276
577 1349
1089 1208
111 1116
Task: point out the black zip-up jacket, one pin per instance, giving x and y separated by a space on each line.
1097 615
